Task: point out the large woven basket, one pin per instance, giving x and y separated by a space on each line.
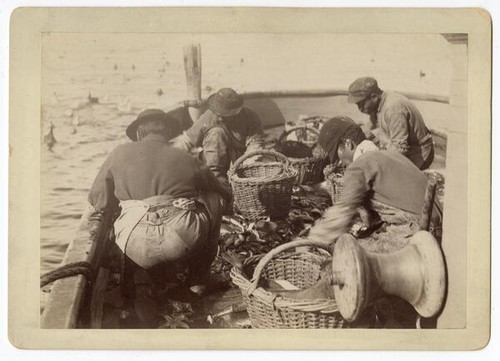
262 189
309 169
303 269
334 177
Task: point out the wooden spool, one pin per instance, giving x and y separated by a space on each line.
415 274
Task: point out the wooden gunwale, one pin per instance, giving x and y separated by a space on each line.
67 294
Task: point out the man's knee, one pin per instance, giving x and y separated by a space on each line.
216 135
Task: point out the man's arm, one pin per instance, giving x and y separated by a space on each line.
216 154
193 137
210 183
397 130
101 194
338 218
255 132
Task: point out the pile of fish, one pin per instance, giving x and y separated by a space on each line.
246 239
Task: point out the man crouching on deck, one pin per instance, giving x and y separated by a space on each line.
171 204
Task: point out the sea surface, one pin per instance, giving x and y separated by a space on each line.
132 72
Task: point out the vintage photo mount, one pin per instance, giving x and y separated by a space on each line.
27 25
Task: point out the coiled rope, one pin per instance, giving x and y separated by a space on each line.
67 270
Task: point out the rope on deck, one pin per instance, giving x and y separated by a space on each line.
67 270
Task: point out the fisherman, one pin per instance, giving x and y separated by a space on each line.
171 205
384 181
381 181
395 119
225 131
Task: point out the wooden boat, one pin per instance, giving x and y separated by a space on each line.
77 301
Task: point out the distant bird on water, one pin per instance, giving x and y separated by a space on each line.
124 106
159 92
48 137
93 100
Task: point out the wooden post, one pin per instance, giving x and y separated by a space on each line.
425 217
455 213
192 66
97 300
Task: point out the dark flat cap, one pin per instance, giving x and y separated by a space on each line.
331 132
361 89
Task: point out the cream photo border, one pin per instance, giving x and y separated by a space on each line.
27 24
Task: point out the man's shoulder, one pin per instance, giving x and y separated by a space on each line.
377 158
251 114
393 99
209 118
394 103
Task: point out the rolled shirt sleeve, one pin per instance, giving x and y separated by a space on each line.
396 126
338 218
217 154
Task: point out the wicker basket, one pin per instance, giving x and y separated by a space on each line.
316 121
334 177
260 189
309 169
302 269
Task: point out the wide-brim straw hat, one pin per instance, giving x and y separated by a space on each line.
226 102
150 114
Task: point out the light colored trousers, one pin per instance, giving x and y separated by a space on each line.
166 233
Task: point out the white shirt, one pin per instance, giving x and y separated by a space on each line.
363 147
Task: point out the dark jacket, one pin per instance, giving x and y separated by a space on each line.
147 168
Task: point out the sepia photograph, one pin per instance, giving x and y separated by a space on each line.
278 143
244 179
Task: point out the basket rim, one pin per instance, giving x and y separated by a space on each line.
324 306
286 173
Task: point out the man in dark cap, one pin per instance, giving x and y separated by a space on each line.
225 131
171 204
401 124
382 181
378 181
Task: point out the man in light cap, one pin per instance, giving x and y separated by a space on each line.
225 131
171 206
401 124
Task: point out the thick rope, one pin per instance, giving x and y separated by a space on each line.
67 270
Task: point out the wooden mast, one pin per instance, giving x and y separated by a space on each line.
192 66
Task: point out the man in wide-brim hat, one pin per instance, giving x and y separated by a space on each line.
397 120
224 131
171 205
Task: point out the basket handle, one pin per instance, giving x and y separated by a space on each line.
294 129
315 119
274 252
277 155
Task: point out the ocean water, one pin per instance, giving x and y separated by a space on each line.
132 72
